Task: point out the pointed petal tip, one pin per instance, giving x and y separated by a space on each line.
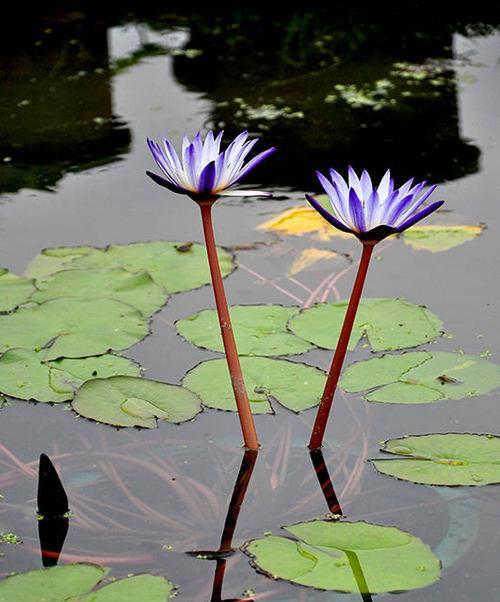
420 215
165 183
329 217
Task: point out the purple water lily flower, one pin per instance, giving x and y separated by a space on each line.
203 172
372 213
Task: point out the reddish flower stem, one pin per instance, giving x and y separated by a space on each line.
325 406
233 362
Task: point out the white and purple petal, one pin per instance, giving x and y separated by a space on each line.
366 185
417 202
252 164
165 183
327 215
383 187
201 170
340 182
354 182
242 193
419 216
357 211
334 197
207 179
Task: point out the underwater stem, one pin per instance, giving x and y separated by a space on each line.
233 362
340 351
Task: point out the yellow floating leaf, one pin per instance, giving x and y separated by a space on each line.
440 238
309 257
303 220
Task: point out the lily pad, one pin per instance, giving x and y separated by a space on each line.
14 290
76 581
132 589
58 583
136 289
258 330
24 374
355 557
129 401
440 238
174 266
295 386
53 260
421 377
444 459
73 327
387 323
302 220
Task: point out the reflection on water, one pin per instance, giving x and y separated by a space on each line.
56 108
53 509
333 504
340 85
334 85
225 547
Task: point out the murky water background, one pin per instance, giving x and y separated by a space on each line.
79 96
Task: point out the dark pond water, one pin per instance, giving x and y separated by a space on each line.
80 92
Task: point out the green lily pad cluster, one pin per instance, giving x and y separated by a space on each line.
388 324
270 330
62 323
83 582
175 267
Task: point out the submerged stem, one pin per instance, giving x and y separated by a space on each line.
325 406
233 362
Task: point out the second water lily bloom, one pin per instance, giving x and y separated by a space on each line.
373 213
204 172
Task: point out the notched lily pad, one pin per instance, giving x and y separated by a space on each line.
132 589
355 557
258 330
129 401
73 582
14 290
443 459
136 289
172 269
25 375
295 386
421 377
436 238
53 260
73 327
387 323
